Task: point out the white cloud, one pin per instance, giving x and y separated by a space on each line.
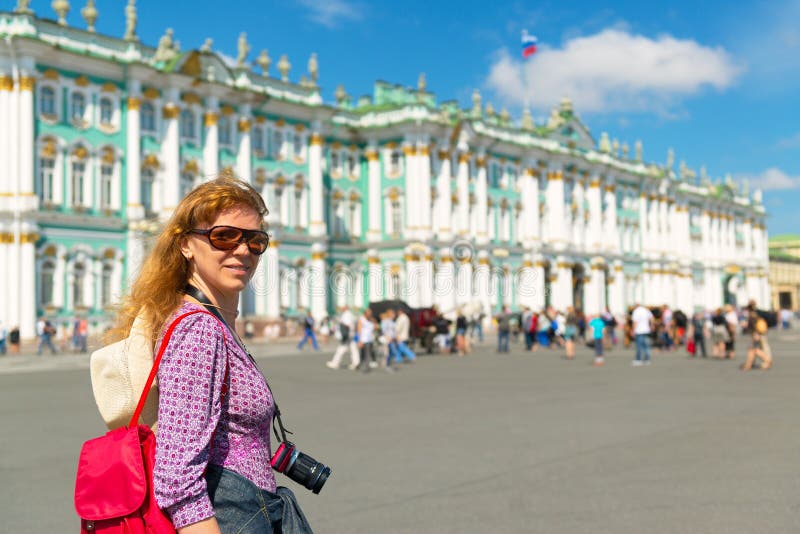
790 142
774 179
612 71
330 13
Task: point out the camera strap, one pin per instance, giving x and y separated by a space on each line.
201 297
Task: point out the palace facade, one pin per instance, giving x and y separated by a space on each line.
393 195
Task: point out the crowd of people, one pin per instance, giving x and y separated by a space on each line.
384 341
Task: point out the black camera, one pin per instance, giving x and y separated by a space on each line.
300 467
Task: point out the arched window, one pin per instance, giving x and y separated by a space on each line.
187 124
277 144
47 101
78 179
106 110
78 280
46 282
148 118
187 183
77 106
106 284
258 139
334 163
352 165
397 217
394 162
146 190
46 172
106 185
225 125
298 146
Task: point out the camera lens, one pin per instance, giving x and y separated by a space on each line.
309 472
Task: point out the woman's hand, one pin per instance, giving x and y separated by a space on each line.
206 526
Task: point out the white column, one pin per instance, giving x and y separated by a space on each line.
481 197
597 286
6 133
539 283
27 279
170 156
315 187
644 245
424 172
578 226
6 235
133 153
211 140
526 282
426 294
464 283
374 276
26 152
244 158
462 190
374 210
411 199
556 210
610 229
444 204
483 277
530 230
591 291
272 285
562 289
616 291
594 236
319 281
413 279
446 282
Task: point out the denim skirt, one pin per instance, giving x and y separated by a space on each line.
241 507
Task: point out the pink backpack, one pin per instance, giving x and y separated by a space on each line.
114 484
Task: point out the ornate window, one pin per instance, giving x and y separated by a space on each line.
46 282
277 144
46 180
397 217
335 163
186 183
394 163
298 146
146 190
148 118
106 284
78 179
47 101
78 280
188 124
352 165
225 126
106 186
106 111
77 106
258 139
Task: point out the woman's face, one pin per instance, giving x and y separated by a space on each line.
225 272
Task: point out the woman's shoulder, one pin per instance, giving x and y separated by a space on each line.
191 316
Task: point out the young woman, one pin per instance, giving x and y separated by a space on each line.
215 408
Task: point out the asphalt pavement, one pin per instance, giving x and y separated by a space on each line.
519 442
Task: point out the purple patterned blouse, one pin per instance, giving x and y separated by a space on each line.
189 410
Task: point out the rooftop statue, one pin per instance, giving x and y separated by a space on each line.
166 47
89 14
283 67
264 61
207 45
313 68
61 7
244 49
23 7
130 21
637 150
670 158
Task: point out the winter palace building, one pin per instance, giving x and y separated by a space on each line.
393 195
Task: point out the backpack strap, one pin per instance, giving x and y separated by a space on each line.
154 371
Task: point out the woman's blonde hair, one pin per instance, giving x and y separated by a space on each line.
158 290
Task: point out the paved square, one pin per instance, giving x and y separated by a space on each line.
487 443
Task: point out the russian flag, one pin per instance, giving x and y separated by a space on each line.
528 45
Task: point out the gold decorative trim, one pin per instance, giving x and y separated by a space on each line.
151 162
82 81
51 74
28 238
274 243
318 256
191 98
243 125
373 261
409 150
483 261
443 154
6 83
191 167
610 188
280 123
170 111
316 139
464 157
227 110
211 118
108 156
48 149
299 127
480 162
446 259
27 83
80 153
109 87
371 155
424 151
134 103
259 119
151 93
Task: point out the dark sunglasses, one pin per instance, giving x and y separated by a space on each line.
230 237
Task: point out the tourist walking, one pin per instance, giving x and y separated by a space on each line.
365 329
402 325
732 322
13 340
461 333
346 328
759 348
697 333
642 326
45 331
720 333
389 338
503 330
570 331
598 326
308 332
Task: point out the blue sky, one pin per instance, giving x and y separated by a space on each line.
718 81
